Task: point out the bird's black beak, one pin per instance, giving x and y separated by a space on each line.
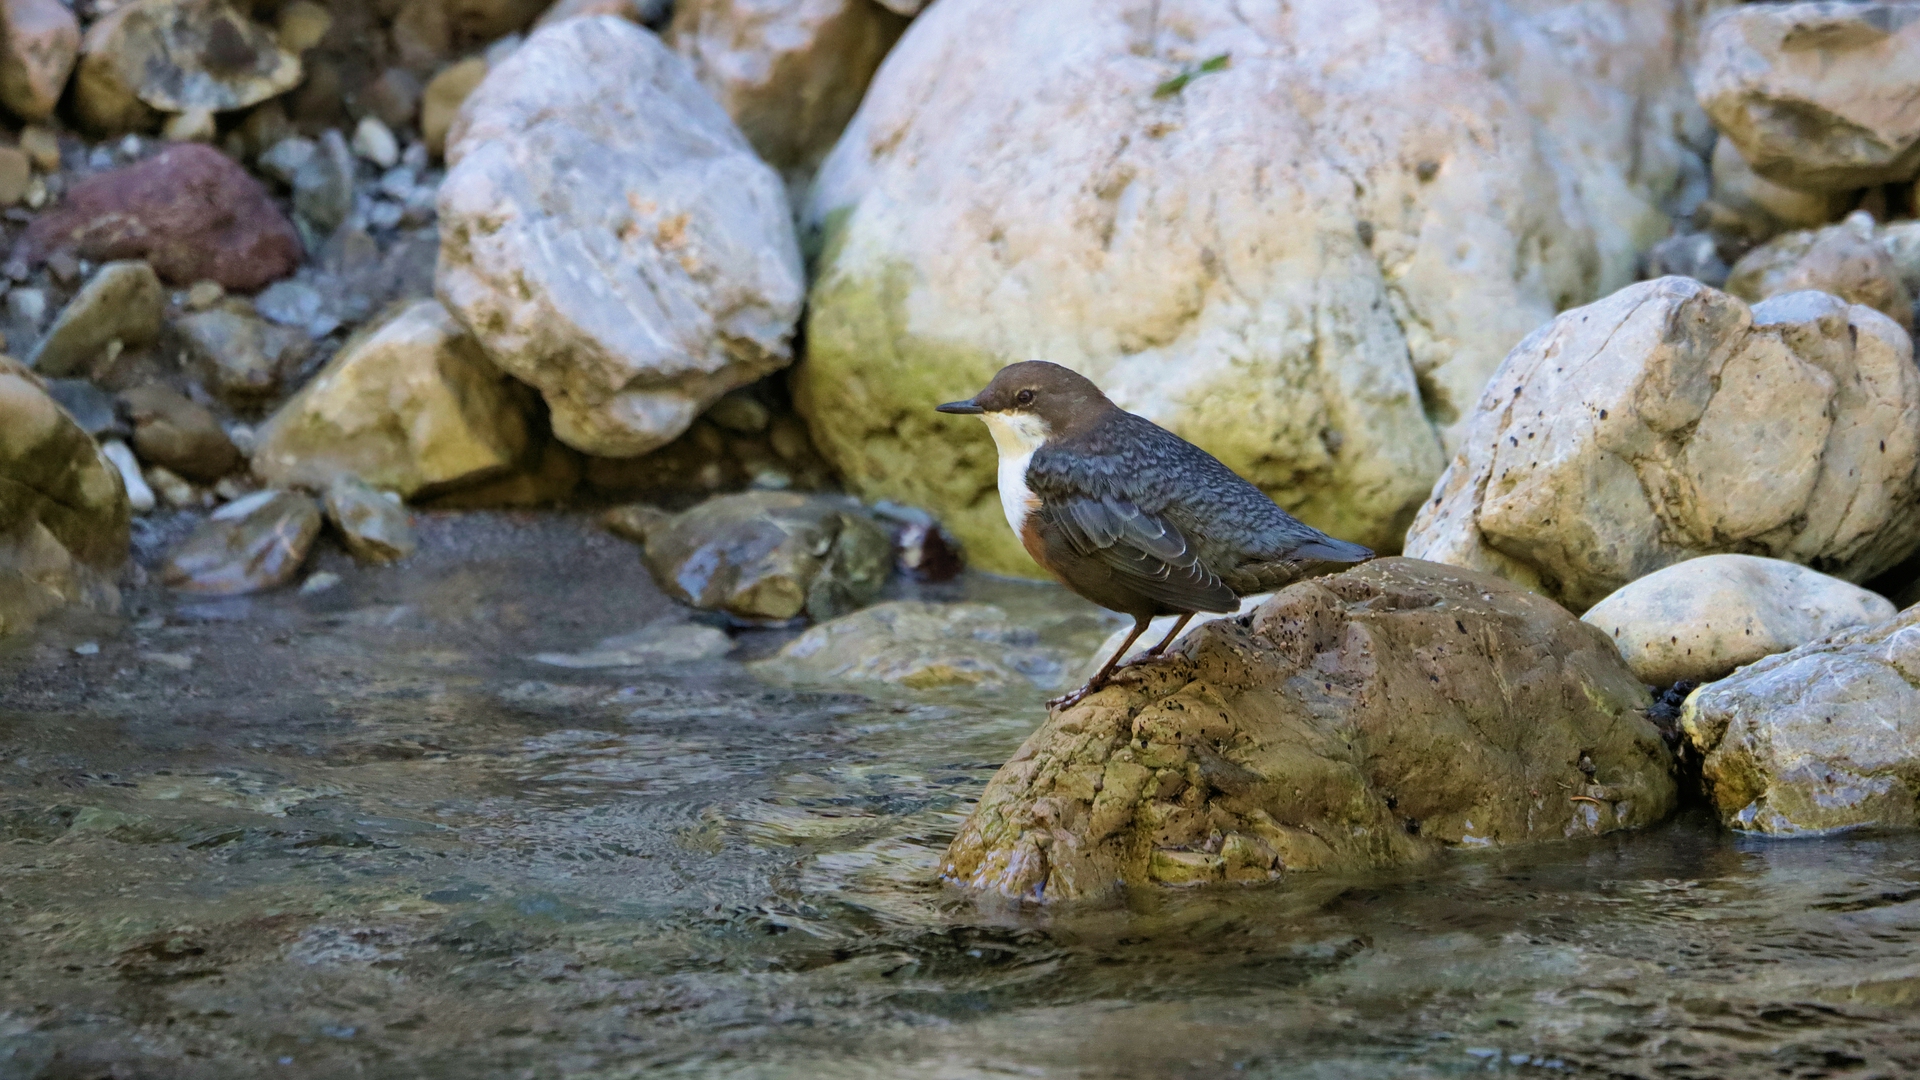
962 408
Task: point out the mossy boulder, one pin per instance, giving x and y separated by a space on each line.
1364 720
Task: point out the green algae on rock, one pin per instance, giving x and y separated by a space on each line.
1823 738
1363 720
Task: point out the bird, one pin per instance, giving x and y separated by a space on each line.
1131 516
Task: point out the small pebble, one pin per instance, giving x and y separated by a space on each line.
194 125
132 146
139 495
319 583
42 147
374 141
385 215
397 183
151 623
100 158
87 648
202 295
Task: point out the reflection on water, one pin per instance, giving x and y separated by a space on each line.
361 833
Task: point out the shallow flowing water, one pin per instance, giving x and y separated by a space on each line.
363 833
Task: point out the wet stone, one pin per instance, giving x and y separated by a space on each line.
242 359
248 545
769 556
373 524
920 646
659 643
178 434
323 184
122 301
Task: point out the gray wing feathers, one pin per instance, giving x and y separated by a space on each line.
1149 554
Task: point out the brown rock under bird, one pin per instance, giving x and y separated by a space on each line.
1130 515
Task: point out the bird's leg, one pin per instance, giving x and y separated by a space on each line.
1140 623
1171 634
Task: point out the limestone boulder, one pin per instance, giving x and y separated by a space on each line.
1700 619
1363 720
1848 260
919 645
150 58
1764 206
1670 420
611 239
1288 237
1816 96
39 42
64 517
1820 739
409 405
769 556
789 72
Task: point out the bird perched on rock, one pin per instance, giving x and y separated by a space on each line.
1130 515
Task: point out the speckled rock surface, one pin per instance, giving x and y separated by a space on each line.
919 645
1822 738
1362 720
1704 617
1670 420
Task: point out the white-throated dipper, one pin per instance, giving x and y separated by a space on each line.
1130 515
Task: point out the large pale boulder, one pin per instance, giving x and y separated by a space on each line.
410 406
1357 721
1822 738
789 72
1671 420
1817 96
64 516
1292 237
611 239
1700 619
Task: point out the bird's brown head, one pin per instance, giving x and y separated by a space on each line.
1037 399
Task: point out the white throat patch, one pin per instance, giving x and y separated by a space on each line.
1016 436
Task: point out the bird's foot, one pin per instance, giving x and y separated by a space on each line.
1068 700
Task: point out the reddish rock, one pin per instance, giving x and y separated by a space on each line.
190 211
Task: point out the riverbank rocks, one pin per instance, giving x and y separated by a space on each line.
1296 241
39 42
123 301
1823 738
409 405
178 434
1847 260
1700 619
611 239
768 556
1670 420
1764 207
242 359
1363 720
1817 96
64 518
372 524
251 544
921 646
190 211
173 57
790 74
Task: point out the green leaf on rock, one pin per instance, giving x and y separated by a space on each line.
1188 74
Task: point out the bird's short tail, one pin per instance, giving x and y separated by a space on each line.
1327 549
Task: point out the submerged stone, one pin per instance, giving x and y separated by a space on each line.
920 645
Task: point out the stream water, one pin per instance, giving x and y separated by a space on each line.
362 832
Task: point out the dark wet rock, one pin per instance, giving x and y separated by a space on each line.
64 516
1817 96
189 210
373 524
242 359
253 543
408 405
923 549
39 42
1822 738
920 646
178 434
771 556
1671 420
323 183
1846 260
1700 619
91 407
122 301
176 57
1363 720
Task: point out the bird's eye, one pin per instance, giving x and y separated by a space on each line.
1024 397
